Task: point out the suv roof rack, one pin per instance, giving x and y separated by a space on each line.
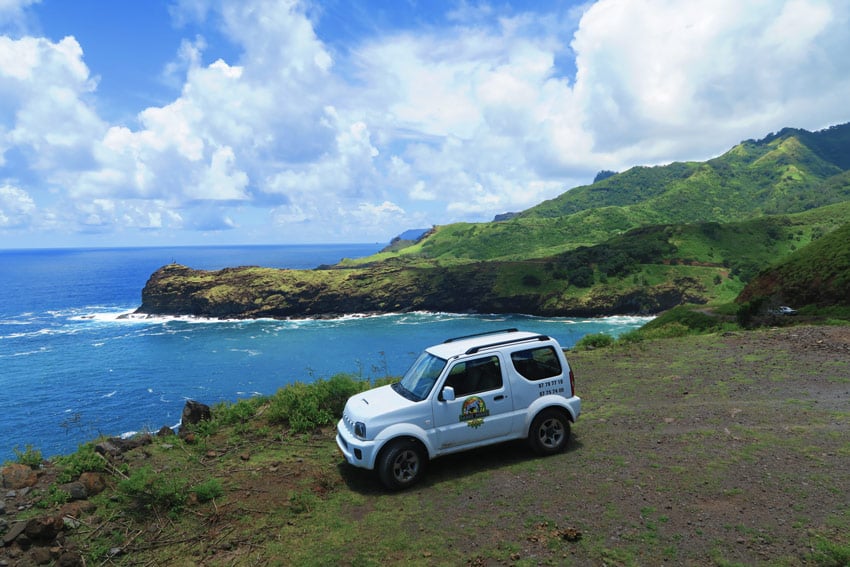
475 349
453 339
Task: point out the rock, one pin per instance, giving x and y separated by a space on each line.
44 529
70 559
40 556
76 509
107 448
93 482
75 490
17 476
115 446
195 412
164 431
15 530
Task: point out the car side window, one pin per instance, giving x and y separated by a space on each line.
537 363
474 376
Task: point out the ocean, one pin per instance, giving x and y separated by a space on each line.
72 369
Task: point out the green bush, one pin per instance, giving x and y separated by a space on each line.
29 457
241 411
72 466
594 340
829 554
304 407
149 490
684 316
208 490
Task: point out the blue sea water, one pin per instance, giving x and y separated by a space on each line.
72 369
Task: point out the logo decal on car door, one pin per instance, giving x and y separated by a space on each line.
473 411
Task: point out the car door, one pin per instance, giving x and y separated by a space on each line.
482 408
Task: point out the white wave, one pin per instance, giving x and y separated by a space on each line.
249 352
26 352
110 394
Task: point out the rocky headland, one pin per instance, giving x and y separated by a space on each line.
255 292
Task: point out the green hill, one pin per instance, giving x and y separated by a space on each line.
641 241
818 274
788 172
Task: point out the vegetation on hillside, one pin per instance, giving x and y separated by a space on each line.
818 275
640 241
789 172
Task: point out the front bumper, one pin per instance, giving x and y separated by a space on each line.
356 451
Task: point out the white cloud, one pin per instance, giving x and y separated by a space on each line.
698 76
480 116
16 207
47 117
12 12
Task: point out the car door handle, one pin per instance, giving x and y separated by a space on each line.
499 397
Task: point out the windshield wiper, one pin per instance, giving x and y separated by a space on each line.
404 392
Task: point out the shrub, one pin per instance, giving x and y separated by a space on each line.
594 340
304 407
29 457
208 490
240 412
85 459
829 554
149 490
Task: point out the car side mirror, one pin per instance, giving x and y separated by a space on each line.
448 394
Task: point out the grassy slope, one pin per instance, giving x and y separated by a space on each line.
707 475
818 274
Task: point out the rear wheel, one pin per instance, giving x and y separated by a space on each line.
401 464
549 432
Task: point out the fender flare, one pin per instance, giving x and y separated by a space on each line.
399 431
546 402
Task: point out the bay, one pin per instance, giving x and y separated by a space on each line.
72 369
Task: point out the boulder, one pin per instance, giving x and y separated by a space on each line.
115 446
44 529
75 490
17 476
93 482
195 412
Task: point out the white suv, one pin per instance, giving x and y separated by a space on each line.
466 392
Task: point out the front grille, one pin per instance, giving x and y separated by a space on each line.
349 423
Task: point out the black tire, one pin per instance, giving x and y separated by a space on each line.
549 432
401 464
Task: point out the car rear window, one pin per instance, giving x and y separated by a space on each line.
537 363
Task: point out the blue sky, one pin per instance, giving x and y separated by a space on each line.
153 122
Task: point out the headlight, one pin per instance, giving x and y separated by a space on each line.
360 430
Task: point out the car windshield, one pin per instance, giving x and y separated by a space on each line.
420 378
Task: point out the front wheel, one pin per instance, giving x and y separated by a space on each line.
549 432
401 464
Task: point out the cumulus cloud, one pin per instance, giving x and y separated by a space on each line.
493 111
656 82
12 13
47 116
16 207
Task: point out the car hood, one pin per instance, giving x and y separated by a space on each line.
375 402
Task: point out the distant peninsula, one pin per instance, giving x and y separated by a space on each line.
256 292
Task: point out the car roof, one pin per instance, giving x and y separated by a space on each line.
467 345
